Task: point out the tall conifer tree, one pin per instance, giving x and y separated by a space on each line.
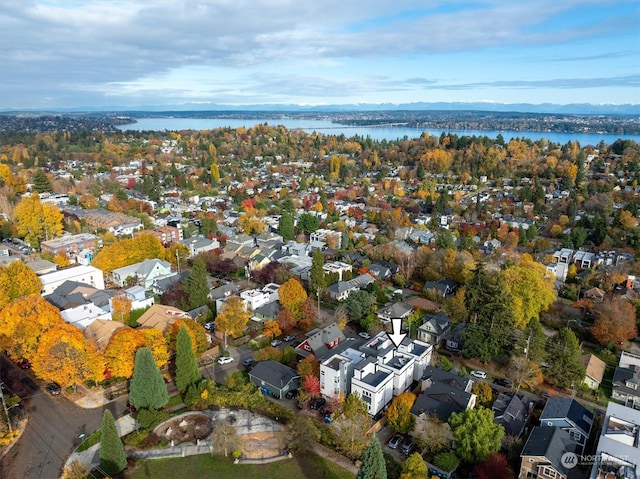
113 458
147 389
187 372
373 465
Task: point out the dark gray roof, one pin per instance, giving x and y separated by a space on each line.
562 407
441 400
551 443
274 374
511 412
269 310
624 375
165 283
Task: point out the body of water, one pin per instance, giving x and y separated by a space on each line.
379 133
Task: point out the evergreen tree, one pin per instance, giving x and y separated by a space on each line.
317 278
489 316
113 459
564 358
41 182
373 465
196 285
147 389
187 372
285 227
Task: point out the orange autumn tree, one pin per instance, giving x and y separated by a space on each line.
120 353
65 356
271 329
196 332
22 323
121 308
399 417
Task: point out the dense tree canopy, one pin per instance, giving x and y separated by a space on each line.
399 417
36 222
233 317
564 358
128 251
475 434
17 280
615 321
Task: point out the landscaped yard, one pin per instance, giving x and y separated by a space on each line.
307 466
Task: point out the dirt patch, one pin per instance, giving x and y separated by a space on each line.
190 427
264 444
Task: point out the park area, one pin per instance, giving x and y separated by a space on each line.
305 466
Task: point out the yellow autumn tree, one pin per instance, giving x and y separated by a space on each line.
128 251
530 288
120 354
156 342
251 224
437 160
271 329
196 332
399 417
17 280
233 317
36 222
292 295
121 308
23 322
65 356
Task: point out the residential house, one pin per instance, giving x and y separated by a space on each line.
569 415
323 342
442 394
274 378
454 340
100 331
144 273
511 411
594 370
383 270
162 285
543 452
161 317
618 450
338 268
340 291
434 328
83 315
594 294
399 310
220 294
444 288
337 371
256 298
626 380
72 293
81 274
199 244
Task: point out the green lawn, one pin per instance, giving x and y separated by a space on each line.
307 466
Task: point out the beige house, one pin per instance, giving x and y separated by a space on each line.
161 317
594 370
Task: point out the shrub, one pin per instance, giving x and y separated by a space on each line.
150 418
447 461
444 363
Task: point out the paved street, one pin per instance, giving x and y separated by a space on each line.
54 424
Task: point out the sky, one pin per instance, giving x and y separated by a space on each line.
133 53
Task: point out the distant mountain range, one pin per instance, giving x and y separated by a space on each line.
568 109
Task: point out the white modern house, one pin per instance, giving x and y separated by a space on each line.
83 315
377 372
80 274
255 298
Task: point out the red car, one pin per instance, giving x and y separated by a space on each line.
24 364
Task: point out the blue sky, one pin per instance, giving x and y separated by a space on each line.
101 53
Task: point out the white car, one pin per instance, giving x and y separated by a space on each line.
479 374
225 360
275 343
364 335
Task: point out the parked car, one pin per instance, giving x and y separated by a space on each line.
408 447
479 374
503 382
364 335
211 326
317 403
395 441
288 338
24 364
292 393
225 360
247 363
54 389
276 342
